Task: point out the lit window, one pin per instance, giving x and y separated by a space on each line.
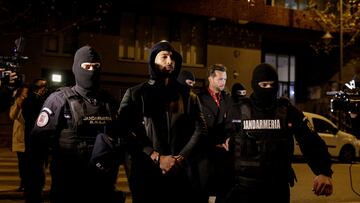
56 78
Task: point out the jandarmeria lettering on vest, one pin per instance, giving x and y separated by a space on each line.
262 124
97 119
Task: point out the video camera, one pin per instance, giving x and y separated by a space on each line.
13 63
347 100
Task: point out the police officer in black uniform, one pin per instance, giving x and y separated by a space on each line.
238 92
67 127
262 145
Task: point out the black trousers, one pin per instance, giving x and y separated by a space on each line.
21 167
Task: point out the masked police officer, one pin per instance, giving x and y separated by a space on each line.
67 126
262 145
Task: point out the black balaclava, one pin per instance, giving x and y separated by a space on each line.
185 75
264 97
238 91
88 80
164 46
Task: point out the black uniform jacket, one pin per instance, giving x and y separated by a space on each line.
299 128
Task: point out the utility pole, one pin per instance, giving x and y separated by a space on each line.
341 44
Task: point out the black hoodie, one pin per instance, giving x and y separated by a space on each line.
155 74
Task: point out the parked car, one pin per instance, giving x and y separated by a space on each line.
341 145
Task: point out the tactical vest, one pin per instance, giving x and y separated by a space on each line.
263 146
82 127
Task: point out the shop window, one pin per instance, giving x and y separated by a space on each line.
60 44
285 66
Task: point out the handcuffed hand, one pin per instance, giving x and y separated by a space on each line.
167 162
179 160
224 145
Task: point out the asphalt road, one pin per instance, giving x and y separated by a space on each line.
301 192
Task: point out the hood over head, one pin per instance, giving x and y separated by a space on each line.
164 46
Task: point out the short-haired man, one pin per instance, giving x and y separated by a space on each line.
216 103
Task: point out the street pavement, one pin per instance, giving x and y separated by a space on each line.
9 179
300 193
342 180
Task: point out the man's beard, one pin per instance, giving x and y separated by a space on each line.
163 72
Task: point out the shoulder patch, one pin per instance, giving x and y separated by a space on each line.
48 110
42 119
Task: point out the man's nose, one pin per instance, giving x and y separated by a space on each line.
168 61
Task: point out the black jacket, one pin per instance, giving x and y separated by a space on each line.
55 133
156 118
215 162
170 122
160 115
216 117
297 127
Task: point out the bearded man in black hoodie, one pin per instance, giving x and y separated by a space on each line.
67 126
163 124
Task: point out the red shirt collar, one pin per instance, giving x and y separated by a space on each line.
216 97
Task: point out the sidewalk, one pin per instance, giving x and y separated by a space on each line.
9 180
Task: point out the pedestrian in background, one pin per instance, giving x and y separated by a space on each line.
18 135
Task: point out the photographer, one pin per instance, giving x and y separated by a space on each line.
6 89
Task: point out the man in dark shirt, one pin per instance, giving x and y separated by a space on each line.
164 126
215 162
